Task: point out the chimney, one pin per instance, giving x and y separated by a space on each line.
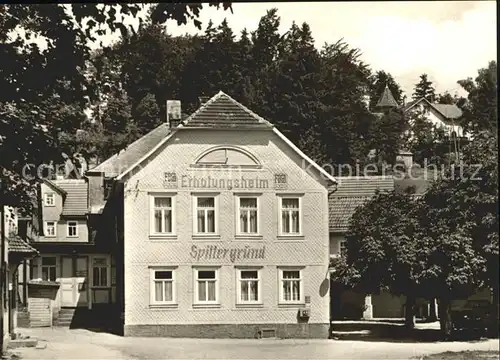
173 113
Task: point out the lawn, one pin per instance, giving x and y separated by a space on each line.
464 355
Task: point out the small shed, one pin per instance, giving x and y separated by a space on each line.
42 295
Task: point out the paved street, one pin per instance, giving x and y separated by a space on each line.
82 344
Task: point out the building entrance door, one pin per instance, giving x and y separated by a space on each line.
74 281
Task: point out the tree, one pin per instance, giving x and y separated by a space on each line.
460 214
381 249
424 89
481 108
378 82
446 98
387 134
343 122
295 78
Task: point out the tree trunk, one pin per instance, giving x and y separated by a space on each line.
494 313
445 317
410 312
432 310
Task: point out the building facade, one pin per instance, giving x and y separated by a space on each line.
225 232
77 270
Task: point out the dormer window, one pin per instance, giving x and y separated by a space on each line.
49 199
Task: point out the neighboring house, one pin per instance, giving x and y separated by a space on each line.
445 116
75 267
224 231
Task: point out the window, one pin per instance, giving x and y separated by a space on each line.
72 227
163 215
248 286
100 272
290 216
291 286
206 286
248 215
49 199
50 228
224 156
49 268
162 286
343 248
206 212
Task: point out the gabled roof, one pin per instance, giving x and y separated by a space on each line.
387 99
123 160
18 245
222 111
351 193
75 203
448 111
55 187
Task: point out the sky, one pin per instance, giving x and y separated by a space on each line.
448 40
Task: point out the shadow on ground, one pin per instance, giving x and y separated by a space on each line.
395 331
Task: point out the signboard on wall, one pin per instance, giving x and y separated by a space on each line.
217 252
232 182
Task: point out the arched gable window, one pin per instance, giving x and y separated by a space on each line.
227 156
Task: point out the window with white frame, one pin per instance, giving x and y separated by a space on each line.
163 215
48 268
50 229
248 211
291 286
49 199
72 228
206 215
162 286
206 286
249 286
100 272
290 208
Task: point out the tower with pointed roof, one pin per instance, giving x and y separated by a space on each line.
386 101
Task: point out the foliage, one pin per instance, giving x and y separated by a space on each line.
381 248
387 135
481 109
424 89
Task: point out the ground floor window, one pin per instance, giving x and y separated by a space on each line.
249 286
206 286
291 285
162 286
100 272
48 268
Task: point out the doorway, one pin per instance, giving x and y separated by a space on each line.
74 281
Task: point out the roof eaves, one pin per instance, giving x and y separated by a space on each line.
146 156
55 187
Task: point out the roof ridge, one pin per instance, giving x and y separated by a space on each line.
250 112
